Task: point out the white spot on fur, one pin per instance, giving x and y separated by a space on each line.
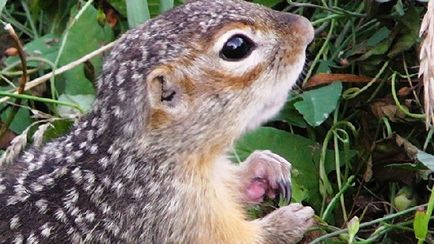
42 205
46 230
60 215
18 239
77 175
94 149
15 222
103 162
32 239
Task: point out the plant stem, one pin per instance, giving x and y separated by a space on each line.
398 104
22 81
40 99
366 224
332 203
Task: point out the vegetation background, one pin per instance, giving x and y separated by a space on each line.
354 128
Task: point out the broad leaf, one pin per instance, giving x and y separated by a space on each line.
119 5
137 12
268 3
166 5
291 115
409 32
317 104
426 159
419 225
2 5
85 36
45 47
58 128
21 121
83 101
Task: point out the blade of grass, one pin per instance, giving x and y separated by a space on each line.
421 220
2 5
137 12
40 99
29 18
166 5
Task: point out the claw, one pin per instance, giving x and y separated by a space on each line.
267 174
285 190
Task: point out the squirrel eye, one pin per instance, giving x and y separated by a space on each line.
236 48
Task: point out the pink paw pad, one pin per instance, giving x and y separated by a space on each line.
265 175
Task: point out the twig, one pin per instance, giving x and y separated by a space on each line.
22 81
63 69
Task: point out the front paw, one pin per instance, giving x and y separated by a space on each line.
265 174
287 224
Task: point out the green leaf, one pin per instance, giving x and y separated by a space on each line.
119 5
404 199
291 115
2 5
85 36
426 159
56 13
399 8
268 3
83 101
379 49
137 12
378 37
21 121
317 104
58 128
301 152
409 32
166 5
353 227
421 219
45 47
419 225
378 43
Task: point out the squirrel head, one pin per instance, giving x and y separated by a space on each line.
206 70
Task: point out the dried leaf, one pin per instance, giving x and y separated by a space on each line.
323 79
385 108
403 92
410 149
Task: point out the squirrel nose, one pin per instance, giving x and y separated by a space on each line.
296 25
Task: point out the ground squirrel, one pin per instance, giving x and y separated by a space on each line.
147 164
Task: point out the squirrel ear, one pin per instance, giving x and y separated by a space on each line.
163 91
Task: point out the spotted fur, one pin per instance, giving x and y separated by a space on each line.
137 170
